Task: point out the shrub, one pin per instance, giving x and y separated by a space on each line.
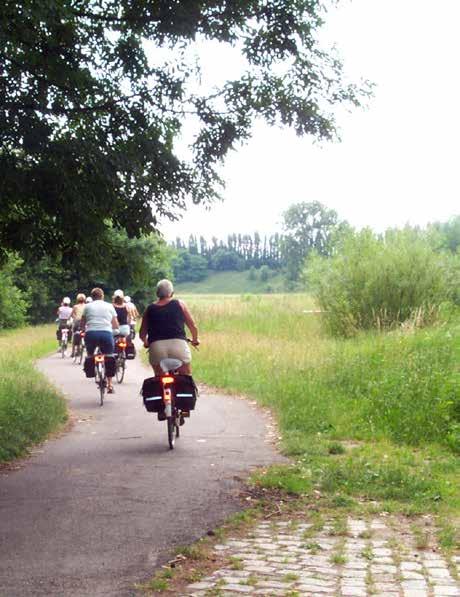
264 273
13 304
380 282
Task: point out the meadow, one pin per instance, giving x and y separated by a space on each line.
375 417
30 408
233 282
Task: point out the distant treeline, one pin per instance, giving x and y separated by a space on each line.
238 252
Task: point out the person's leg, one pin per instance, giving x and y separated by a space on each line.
186 369
107 346
179 349
157 351
91 342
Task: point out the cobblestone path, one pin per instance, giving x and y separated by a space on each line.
382 556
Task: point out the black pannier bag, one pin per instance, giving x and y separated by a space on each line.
152 393
130 351
186 392
58 334
76 339
110 365
88 367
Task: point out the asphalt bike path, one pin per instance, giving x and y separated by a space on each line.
96 510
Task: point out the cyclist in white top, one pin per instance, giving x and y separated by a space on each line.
64 316
98 320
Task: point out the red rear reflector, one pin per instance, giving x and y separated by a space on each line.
122 344
99 358
167 379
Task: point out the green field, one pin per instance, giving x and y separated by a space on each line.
371 418
30 407
232 283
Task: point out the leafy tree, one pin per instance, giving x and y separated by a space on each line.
94 94
189 267
224 260
448 234
308 227
132 264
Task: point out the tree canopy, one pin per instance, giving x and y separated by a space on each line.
95 93
309 226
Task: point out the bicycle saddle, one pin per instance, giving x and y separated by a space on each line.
170 364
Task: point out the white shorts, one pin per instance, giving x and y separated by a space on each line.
175 348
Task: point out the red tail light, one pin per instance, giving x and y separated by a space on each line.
167 379
99 358
122 343
82 334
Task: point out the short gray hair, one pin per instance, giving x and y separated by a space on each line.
164 289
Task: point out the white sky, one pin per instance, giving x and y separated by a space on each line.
398 160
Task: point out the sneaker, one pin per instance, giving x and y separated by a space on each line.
162 415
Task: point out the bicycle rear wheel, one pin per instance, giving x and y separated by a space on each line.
82 350
171 432
121 366
63 348
100 380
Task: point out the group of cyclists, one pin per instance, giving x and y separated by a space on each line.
162 330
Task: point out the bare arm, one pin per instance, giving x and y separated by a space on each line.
190 323
128 316
143 330
115 324
83 323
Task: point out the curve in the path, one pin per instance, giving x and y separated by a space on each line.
97 509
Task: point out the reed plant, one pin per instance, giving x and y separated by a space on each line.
381 282
30 408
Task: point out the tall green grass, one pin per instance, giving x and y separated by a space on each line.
30 407
397 392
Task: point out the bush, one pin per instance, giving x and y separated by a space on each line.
381 282
264 273
13 304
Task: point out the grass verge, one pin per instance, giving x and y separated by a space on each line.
375 418
30 408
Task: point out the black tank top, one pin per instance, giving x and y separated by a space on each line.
165 322
122 315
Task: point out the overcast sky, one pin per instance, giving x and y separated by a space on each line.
397 161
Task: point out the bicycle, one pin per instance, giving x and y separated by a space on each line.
64 341
100 377
82 347
79 348
132 327
120 359
171 395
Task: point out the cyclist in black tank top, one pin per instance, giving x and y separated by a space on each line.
163 329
